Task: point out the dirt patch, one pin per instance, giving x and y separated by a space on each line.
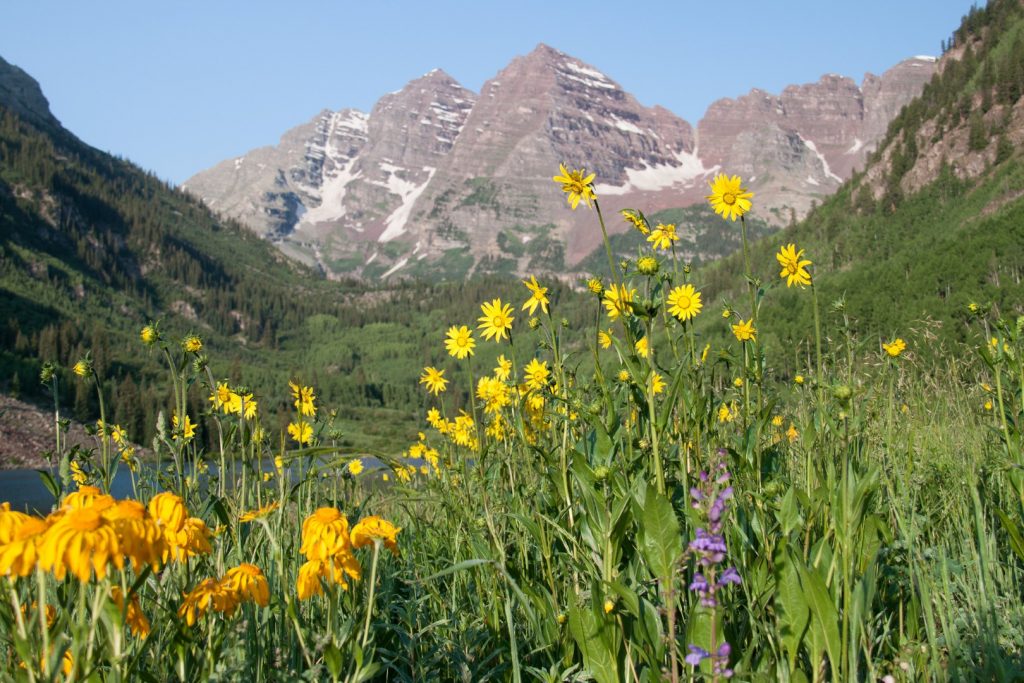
27 432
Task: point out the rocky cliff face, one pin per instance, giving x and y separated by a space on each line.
439 181
20 93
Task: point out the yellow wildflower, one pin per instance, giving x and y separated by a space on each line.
460 342
728 197
744 330
496 320
663 236
577 185
794 267
538 296
684 302
434 379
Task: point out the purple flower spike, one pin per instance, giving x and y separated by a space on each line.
700 584
730 575
697 655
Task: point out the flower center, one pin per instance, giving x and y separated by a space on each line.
497 321
729 198
684 302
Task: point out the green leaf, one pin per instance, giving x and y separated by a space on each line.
826 620
661 542
593 636
1016 541
790 604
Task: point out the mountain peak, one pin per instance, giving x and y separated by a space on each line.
21 93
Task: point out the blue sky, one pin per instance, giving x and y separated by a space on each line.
179 86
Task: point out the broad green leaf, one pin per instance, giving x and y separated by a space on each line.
661 542
588 630
826 620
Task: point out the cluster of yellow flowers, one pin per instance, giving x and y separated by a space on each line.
91 531
328 546
304 400
231 402
244 583
461 431
117 434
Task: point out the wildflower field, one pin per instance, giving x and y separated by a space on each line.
652 503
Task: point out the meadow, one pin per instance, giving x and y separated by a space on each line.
617 497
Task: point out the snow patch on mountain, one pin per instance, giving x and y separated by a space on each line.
659 176
409 192
824 162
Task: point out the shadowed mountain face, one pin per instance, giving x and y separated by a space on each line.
440 181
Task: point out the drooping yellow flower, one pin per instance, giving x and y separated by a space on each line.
504 369
536 374
642 347
132 612
726 413
577 185
895 347
663 236
496 320
139 536
249 407
538 296
728 197
355 467
324 534
79 542
460 342
657 383
253 515
209 594
148 334
794 266
744 330
193 538
604 338
300 431
434 379
87 497
188 430
192 344
618 301
371 529
20 537
247 582
684 302
595 286
313 572
636 219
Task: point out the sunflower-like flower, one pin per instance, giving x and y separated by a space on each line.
604 338
192 539
259 513
595 286
459 342
663 236
643 347
618 301
657 383
744 330
300 431
536 374
209 594
895 347
132 612
577 185
221 397
373 529
496 321
247 582
188 428
315 573
538 296
149 334
83 368
305 399
504 369
434 379
684 302
192 344
87 497
794 266
728 197
168 510
637 220
647 265
79 542
355 467
494 393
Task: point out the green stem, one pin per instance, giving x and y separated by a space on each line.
373 585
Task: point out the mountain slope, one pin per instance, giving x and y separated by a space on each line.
439 182
935 222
